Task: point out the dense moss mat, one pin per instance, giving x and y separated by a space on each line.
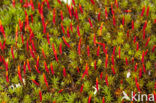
90 51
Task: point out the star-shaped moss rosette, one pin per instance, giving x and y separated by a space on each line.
87 51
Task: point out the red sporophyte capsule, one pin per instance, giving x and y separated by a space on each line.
147 12
16 36
69 10
76 14
135 67
134 40
13 3
142 58
103 99
28 65
89 99
32 53
101 74
24 68
97 88
54 15
106 61
79 47
55 54
126 61
45 80
21 1
88 52
106 14
33 45
65 42
145 25
48 5
137 46
147 42
51 67
36 83
68 34
37 69
60 48
19 74
43 54
81 89
60 90
85 72
91 25
138 87
73 1
92 1
59 1
153 48
95 64
80 7
37 61
62 28
113 70
143 10
98 50
61 13
123 20
32 5
144 69
71 27
132 25
146 52
78 30
127 33
78 70
112 9
40 95
116 3
48 38
64 72
99 14
46 68
119 52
